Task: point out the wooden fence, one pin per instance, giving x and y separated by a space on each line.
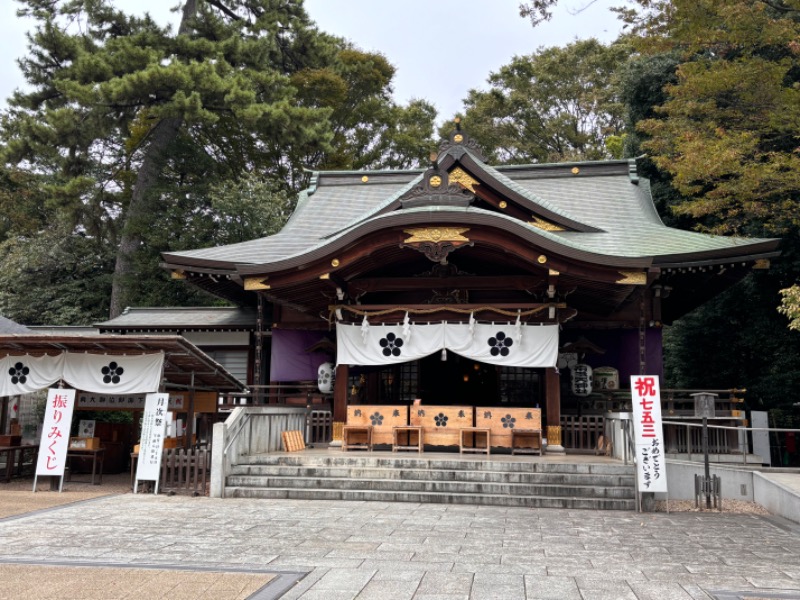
581 433
185 471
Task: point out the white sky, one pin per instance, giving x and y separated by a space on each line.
441 48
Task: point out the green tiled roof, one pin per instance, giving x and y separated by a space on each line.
603 197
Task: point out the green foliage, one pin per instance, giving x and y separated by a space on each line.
137 137
557 104
790 306
55 278
735 340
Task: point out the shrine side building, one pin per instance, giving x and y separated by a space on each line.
469 284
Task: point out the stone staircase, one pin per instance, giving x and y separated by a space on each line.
501 481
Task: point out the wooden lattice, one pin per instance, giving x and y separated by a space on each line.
293 441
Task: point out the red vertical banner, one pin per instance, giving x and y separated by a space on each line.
648 433
55 433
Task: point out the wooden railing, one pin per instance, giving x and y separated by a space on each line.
185 470
581 432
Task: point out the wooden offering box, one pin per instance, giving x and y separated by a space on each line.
381 418
441 424
502 421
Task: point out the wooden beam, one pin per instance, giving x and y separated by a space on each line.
464 282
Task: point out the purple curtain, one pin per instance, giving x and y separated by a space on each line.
289 360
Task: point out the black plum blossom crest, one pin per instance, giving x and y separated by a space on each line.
111 373
500 344
391 345
19 373
377 419
441 420
508 421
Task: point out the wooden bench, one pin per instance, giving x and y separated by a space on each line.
526 441
475 439
413 438
357 437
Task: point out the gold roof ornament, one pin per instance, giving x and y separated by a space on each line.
544 225
252 284
633 278
460 176
436 234
761 263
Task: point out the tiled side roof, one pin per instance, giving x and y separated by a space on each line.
9 326
183 318
326 211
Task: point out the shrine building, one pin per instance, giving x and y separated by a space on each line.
467 284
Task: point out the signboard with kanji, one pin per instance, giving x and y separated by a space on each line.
648 433
502 421
154 427
55 434
441 424
381 418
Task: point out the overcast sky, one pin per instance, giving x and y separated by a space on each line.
441 48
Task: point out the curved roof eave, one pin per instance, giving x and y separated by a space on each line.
451 215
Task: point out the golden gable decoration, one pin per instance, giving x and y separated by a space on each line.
436 235
633 278
544 225
460 176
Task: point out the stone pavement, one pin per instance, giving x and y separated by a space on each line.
369 550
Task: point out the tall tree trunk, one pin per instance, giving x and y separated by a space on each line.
161 136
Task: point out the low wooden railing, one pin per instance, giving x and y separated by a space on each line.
581 432
185 470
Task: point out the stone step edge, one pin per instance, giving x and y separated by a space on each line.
388 481
388 462
443 495
346 472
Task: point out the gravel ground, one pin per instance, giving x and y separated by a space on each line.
728 506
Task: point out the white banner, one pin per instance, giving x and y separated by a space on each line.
108 374
98 373
151 445
26 374
55 433
648 433
498 344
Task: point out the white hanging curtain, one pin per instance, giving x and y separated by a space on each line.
97 373
26 374
532 346
107 374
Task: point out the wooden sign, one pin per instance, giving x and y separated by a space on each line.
381 418
441 424
502 421
293 441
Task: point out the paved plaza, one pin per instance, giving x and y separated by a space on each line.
335 550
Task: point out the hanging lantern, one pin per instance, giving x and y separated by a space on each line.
325 378
582 380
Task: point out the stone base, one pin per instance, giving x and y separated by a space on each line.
555 449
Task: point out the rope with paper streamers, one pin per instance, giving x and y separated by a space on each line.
428 311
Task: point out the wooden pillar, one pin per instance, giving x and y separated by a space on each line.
553 399
340 392
4 415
